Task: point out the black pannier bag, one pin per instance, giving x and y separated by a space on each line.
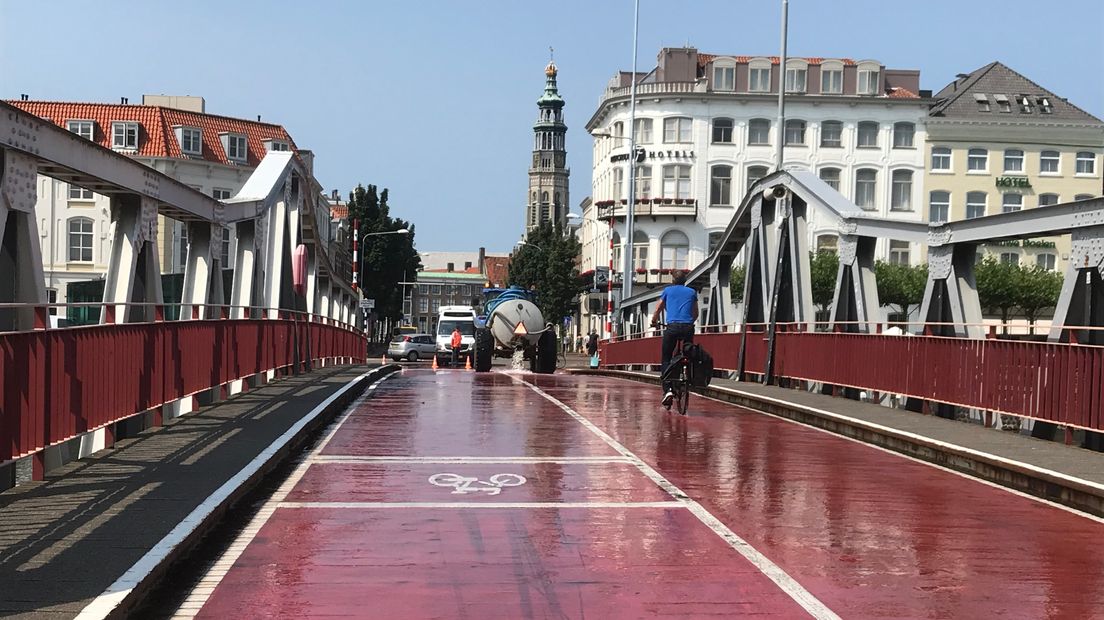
701 364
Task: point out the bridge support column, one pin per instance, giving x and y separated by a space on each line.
20 249
950 295
202 274
134 274
856 304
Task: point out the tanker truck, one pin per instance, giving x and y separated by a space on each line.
512 325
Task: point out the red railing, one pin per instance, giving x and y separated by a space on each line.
56 384
1061 383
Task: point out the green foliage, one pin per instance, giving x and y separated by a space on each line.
1039 290
546 262
385 260
823 268
736 282
900 285
998 286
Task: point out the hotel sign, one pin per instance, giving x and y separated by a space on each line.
1013 182
656 155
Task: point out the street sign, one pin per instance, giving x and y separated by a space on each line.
601 277
367 304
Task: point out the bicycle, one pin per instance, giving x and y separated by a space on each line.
679 376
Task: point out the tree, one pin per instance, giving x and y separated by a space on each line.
385 260
546 263
900 285
823 269
1038 290
736 281
998 286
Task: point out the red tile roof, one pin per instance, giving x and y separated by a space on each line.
496 269
339 212
156 136
900 92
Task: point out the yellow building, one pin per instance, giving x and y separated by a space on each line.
998 142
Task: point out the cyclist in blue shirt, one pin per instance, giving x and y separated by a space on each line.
681 304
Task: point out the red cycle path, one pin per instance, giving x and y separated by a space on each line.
869 534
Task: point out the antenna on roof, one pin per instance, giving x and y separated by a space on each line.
258 118
551 54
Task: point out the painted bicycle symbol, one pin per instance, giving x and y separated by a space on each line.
463 485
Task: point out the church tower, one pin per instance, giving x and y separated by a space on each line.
548 174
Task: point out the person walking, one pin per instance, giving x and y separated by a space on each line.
681 303
457 342
592 344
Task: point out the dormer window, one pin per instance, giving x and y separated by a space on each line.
1003 105
831 78
276 145
1025 104
982 102
868 78
759 71
724 76
190 140
236 147
124 135
1044 105
796 71
84 129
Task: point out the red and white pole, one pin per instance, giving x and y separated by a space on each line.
356 255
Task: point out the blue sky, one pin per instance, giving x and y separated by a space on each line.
436 99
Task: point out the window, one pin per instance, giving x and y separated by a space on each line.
236 147
795 132
903 134
831 176
79 193
759 76
640 250
1025 104
720 185
84 129
436 289
642 131
941 158
901 198
674 250
1086 163
676 181
827 243
795 79
975 205
977 160
722 130
724 77
1049 162
982 102
220 194
1011 202
618 181
618 129
1002 103
276 145
191 140
866 182
1045 261
759 131
939 206
1013 160
754 173
868 134
643 182
899 252
1048 199
224 247
831 78
182 244
435 306
80 240
616 251
1010 258
868 80
124 135
831 134
676 129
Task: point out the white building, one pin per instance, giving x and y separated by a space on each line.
173 135
708 126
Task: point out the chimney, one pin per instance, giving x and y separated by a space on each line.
123 100
451 267
482 256
24 97
335 196
258 118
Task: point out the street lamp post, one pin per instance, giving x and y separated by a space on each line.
359 240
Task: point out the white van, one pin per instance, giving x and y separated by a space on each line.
462 317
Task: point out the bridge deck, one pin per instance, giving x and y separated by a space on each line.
626 511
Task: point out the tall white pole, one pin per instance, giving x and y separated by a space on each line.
627 259
782 89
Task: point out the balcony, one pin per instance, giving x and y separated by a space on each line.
658 88
687 207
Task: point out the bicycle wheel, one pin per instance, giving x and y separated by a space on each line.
507 480
682 396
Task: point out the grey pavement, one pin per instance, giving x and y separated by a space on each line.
64 540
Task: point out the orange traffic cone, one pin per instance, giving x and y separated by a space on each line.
467 362
383 360
434 367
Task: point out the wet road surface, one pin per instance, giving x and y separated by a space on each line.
457 495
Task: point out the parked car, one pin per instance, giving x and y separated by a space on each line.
411 347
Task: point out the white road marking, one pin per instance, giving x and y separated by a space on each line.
788 584
462 485
1041 500
473 460
214 575
554 505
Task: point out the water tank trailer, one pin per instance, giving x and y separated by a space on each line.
513 323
